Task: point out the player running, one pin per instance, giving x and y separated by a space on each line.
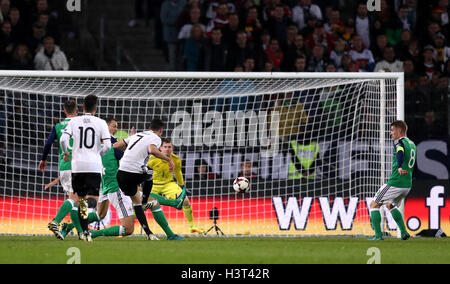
164 188
65 173
133 170
399 184
91 140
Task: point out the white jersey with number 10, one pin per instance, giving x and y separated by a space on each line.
88 133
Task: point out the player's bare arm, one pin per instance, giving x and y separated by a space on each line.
52 183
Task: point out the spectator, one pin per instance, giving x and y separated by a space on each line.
214 8
317 61
249 64
193 49
18 28
444 5
203 171
349 32
292 32
361 55
22 59
378 49
335 25
278 24
439 47
274 54
347 64
34 42
253 26
338 52
50 26
238 53
185 15
321 37
414 52
50 57
401 49
297 50
410 75
304 11
300 64
247 170
215 52
397 25
363 24
389 61
194 18
6 43
268 67
331 67
170 10
428 37
5 6
220 20
230 31
428 65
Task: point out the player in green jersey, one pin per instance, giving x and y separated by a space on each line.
399 184
69 205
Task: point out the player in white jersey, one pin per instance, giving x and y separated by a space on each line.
133 166
91 140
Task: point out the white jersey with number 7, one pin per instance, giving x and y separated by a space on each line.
136 155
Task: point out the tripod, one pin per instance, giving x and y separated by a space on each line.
214 226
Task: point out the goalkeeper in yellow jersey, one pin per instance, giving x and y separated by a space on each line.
164 188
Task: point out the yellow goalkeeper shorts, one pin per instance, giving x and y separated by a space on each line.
170 190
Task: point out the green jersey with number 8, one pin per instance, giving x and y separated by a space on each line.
405 154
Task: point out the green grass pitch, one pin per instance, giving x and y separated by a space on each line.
199 250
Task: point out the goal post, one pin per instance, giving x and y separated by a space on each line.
315 146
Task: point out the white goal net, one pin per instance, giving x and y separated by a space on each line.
315 147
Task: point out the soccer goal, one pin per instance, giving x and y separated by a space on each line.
314 146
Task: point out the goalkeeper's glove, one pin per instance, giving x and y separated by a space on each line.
188 192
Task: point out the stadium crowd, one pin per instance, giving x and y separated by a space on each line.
316 36
29 36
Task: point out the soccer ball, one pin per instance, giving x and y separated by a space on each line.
241 185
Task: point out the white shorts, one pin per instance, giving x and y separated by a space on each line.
121 202
65 178
390 194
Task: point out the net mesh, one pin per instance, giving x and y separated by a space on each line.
314 150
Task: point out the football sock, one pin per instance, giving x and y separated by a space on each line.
398 218
83 222
375 217
146 189
75 219
160 218
140 215
63 210
109 232
93 217
164 201
187 210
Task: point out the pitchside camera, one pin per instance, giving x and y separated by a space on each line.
214 214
